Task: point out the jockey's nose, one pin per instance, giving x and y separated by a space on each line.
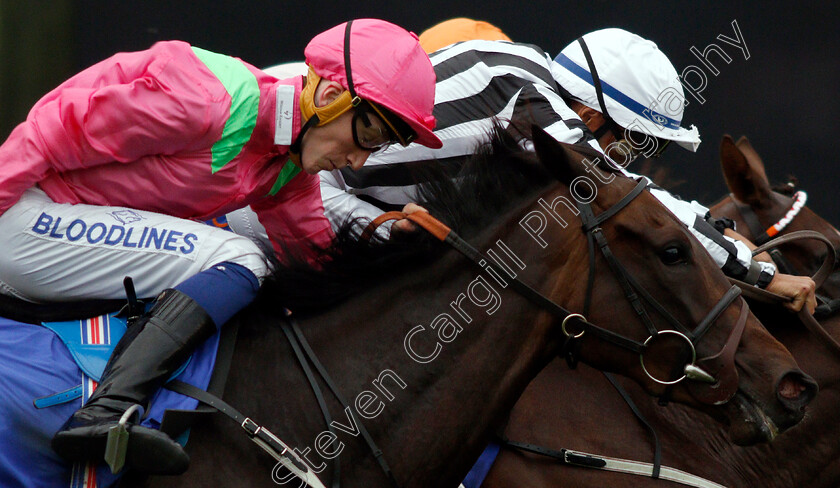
357 159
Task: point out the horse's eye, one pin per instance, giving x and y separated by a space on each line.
673 254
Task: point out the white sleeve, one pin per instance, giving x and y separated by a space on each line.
287 70
732 256
341 206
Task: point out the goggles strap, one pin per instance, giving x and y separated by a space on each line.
599 92
347 70
404 135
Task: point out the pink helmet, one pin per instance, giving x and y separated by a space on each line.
387 67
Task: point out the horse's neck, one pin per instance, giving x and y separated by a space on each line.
430 363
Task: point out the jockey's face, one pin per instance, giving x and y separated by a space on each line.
332 146
623 146
619 144
611 141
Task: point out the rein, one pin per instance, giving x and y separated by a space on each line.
305 354
761 237
723 362
819 277
656 469
265 438
443 233
768 241
721 389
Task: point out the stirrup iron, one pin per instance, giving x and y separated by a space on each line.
117 444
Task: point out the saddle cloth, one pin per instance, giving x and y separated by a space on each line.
43 375
91 343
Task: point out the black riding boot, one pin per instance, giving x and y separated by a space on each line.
149 353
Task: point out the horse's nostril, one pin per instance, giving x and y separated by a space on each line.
796 389
790 389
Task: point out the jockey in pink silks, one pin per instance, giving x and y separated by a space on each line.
112 170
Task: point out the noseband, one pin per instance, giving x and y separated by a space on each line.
717 370
715 376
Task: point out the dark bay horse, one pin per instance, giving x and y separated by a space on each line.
433 352
806 455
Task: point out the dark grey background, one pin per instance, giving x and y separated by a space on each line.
784 97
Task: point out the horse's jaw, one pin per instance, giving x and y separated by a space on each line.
748 423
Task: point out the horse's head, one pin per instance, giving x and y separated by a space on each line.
636 270
760 210
755 206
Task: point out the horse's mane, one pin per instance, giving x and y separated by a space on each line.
498 177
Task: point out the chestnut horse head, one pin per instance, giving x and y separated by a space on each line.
436 349
668 293
761 212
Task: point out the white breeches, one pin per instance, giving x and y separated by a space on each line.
61 252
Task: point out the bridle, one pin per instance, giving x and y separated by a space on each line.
762 235
716 374
656 470
719 369
769 239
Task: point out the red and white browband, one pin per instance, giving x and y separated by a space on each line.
799 199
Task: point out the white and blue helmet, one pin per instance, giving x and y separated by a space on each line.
635 84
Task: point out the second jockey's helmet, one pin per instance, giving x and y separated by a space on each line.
635 83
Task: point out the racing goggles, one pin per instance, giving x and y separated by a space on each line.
636 144
632 144
366 135
373 137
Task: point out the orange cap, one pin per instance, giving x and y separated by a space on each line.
457 30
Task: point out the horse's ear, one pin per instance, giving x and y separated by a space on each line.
555 156
743 171
753 159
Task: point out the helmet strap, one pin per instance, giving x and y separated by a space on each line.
600 131
295 148
609 125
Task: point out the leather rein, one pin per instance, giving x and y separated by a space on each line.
769 241
723 386
656 469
